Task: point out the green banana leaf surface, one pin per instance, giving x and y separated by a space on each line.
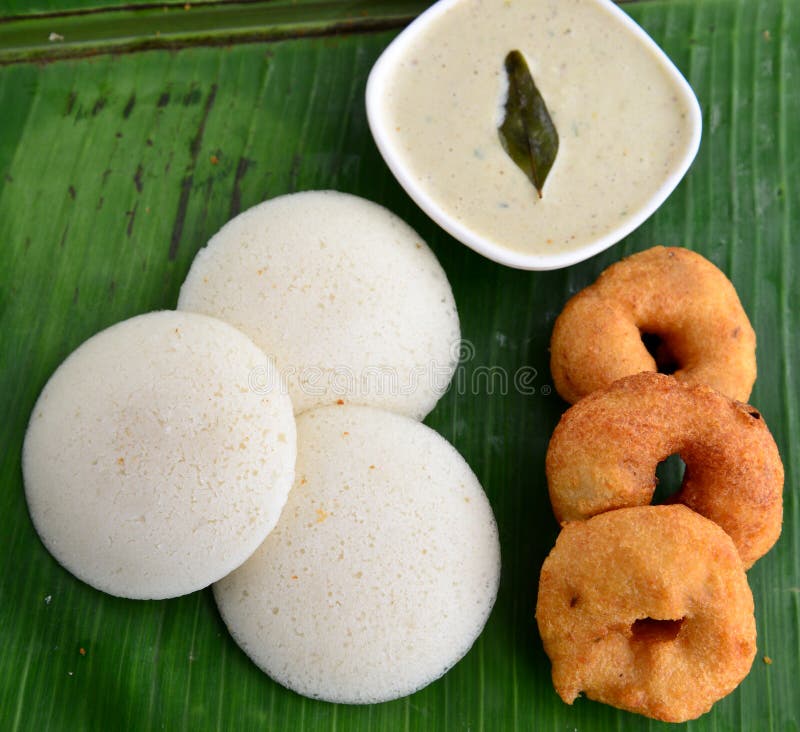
117 166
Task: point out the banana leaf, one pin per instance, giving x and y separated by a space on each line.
116 167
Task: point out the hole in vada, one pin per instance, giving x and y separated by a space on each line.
754 414
666 362
650 630
669 477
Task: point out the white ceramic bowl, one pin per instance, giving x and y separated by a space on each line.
381 77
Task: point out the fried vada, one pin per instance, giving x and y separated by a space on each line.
647 609
604 452
665 309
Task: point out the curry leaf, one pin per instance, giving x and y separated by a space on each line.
527 132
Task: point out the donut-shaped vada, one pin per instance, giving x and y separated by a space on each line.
647 609
670 299
604 452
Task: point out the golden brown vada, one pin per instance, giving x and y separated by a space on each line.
647 609
604 452
675 300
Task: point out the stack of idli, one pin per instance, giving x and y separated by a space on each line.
264 437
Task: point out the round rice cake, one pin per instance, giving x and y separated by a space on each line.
345 296
383 568
151 468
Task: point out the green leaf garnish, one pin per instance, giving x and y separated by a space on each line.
527 133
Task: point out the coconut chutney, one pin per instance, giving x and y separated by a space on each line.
627 121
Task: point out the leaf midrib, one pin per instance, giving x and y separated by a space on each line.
134 28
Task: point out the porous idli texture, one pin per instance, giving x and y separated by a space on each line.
151 466
382 570
347 298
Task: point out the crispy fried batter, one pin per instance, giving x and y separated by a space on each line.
647 609
671 294
604 452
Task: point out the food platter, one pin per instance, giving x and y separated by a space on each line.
117 167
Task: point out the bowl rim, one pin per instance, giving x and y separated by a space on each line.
377 81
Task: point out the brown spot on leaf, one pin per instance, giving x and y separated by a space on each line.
186 184
70 103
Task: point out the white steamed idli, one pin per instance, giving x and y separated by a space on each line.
151 468
382 570
343 294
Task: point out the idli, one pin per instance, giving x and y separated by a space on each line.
346 297
151 468
382 570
